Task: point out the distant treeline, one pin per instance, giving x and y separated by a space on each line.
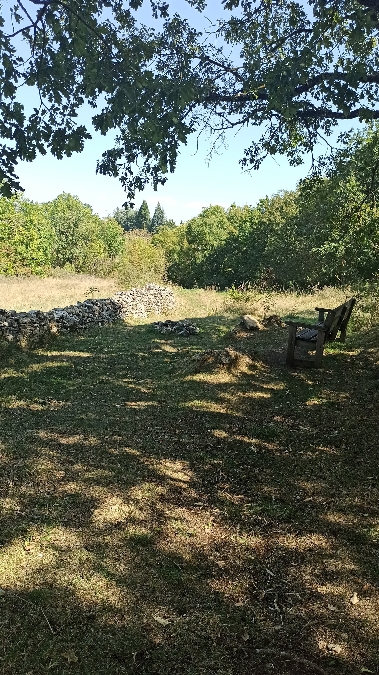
65 233
324 232
140 219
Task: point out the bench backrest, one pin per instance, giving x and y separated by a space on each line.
337 320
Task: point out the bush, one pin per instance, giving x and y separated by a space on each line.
140 261
26 237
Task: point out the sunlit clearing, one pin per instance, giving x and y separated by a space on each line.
69 440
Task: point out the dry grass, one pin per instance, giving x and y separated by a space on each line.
161 521
197 302
25 293
285 304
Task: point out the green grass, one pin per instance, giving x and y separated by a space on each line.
161 519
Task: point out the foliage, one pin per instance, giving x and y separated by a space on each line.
26 237
140 262
125 217
143 219
63 233
82 239
158 219
66 234
109 233
294 69
366 312
170 223
221 248
325 232
173 242
205 234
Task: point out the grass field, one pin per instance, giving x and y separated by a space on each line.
161 515
44 293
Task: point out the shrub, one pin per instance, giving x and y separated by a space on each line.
26 237
140 261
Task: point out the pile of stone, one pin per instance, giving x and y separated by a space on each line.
250 322
25 327
183 328
28 328
140 302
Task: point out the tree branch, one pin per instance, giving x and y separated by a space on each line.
324 113
222 66
373 78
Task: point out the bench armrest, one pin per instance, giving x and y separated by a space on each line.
323 309
302 324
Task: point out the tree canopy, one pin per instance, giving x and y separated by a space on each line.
125 217
326 232
292 68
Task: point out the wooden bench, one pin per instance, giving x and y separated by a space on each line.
325 330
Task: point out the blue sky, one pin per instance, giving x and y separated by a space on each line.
196 182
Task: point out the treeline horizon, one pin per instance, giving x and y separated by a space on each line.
325 232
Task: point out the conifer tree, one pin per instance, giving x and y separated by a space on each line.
158 219
143 219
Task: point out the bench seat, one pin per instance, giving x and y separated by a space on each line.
326 330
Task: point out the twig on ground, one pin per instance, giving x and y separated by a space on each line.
29 602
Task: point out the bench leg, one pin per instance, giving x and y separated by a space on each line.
319 348
291 346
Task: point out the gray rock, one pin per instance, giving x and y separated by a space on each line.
183 328
250 322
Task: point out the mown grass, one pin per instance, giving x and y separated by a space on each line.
159 518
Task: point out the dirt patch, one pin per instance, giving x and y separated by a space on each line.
273 321
228 359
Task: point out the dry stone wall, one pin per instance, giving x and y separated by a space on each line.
27 328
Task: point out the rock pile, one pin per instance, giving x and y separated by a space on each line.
140 302
184 328
249 325
30 327
25 327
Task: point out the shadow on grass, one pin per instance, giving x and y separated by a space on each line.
158 519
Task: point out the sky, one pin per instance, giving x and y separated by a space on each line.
196 183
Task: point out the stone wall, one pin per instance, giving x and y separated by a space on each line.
28 328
